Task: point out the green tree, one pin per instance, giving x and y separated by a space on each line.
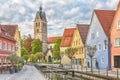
39 56
13 58
56 49
24 37
70 52
33 58
26 57
24 51
36 46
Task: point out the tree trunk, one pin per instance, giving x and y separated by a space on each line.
91 65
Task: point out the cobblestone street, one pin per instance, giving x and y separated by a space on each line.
27 73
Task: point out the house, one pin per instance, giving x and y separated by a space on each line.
50 44
98 35
66 43
115 40
78 41
14 32
7 46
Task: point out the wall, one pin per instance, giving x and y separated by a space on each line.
100 56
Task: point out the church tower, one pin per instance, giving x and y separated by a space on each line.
40 28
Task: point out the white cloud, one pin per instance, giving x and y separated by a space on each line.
22 10
60 13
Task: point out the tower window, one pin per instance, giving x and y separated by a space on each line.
37 30
36 24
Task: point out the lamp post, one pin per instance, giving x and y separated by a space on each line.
90 52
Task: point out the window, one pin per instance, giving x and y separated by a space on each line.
13 48
37 30
97 34
105 44
36 24
118 26
9 47
102 60
92 36
117 42
99 47
4 46
117 61
0 44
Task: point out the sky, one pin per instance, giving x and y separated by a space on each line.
60 14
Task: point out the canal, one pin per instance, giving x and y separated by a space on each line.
57 74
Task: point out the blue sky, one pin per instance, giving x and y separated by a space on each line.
60 13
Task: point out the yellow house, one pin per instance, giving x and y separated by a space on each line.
78 41
14 32
66 43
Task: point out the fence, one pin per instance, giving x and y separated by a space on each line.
106 72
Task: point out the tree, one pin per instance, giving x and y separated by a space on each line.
26 57
24 51
27 43
33 58
70 52
56 49
13 58
39 56
90 52
36 46
24 37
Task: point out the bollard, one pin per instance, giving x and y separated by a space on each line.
107 72
117 74
73 74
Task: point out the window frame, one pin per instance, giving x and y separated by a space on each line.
118 25
0 44
115 42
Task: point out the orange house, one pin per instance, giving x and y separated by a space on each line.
115 40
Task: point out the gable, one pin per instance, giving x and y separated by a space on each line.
105 18
67 37
95 27
37 17
116 18
76 40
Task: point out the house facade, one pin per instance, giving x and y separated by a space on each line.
78 41
98 36
50 44
66 43
14 32
7 46
115 40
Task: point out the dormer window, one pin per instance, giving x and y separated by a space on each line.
118 26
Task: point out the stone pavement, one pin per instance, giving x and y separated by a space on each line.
27 73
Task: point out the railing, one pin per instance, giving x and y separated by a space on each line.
103 72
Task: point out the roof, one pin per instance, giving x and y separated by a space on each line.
105 18
52 39
4 34
83 30
11 29
67 37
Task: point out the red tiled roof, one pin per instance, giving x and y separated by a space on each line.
4 34
83 30
67 37
11 29
52 39
105 17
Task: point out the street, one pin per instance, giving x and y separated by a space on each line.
27 73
